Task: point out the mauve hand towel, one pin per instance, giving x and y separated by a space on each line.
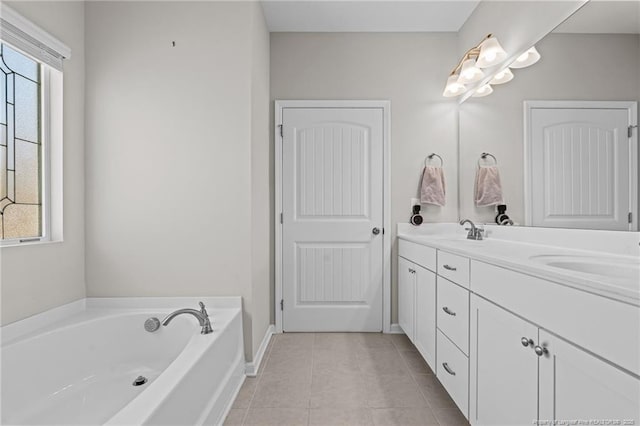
432 190
488 187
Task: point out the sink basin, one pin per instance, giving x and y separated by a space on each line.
604 266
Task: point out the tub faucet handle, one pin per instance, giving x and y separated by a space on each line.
203 310
206 328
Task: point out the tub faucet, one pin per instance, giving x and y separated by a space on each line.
202 316
474 233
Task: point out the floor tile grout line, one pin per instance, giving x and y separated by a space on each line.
313 348
420 389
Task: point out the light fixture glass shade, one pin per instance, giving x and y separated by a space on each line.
469 72
502 77
491 53
529 57
483 91
453 88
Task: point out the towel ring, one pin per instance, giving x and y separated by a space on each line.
430 157
484 157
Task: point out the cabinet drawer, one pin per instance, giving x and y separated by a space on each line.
453 313
453 372
417 253
454 268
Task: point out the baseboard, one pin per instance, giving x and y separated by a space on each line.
395 329
251 368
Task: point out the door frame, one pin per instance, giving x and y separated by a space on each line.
385 105
632 110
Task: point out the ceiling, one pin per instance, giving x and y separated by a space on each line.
604 17
366 15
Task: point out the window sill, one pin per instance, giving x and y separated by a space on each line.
28 243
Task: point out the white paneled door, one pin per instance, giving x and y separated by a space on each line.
583 165
332 219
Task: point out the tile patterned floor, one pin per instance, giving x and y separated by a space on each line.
343 379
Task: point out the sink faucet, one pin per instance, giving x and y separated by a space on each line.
474 233
202 316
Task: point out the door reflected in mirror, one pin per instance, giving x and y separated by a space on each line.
570 180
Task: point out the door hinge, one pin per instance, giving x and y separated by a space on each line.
282 304
281 130
281 219
630 130
630 217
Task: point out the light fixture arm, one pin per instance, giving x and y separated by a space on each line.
473 52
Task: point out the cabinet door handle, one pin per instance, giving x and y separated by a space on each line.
526 341
448 369
449 268
449 311
541 350
412 271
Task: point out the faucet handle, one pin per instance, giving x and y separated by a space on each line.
203 310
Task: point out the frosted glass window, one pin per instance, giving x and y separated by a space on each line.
20 146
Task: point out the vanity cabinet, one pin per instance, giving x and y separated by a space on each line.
453 327
577 385
504 372
417 297
406 296
513 348
425 309
519 367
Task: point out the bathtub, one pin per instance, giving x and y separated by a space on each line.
75 365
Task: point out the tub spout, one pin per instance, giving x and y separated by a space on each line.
202 316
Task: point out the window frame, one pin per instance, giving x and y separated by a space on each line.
33 41
46 139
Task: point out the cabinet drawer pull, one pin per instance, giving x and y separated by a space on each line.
448 369
449 311
449 268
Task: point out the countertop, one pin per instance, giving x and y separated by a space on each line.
517 256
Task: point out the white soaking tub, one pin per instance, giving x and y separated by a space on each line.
76 365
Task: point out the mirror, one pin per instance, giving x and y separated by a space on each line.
593 56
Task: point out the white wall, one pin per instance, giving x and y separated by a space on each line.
406 69
262 273
169 150
34 278
572 67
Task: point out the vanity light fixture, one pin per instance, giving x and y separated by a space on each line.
503 76
491 53
487 53
528 58
453 88
470 73
483 91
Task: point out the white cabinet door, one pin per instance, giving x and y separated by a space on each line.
425 309
504 372
577 385
406 296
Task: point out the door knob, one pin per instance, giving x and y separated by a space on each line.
375 231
